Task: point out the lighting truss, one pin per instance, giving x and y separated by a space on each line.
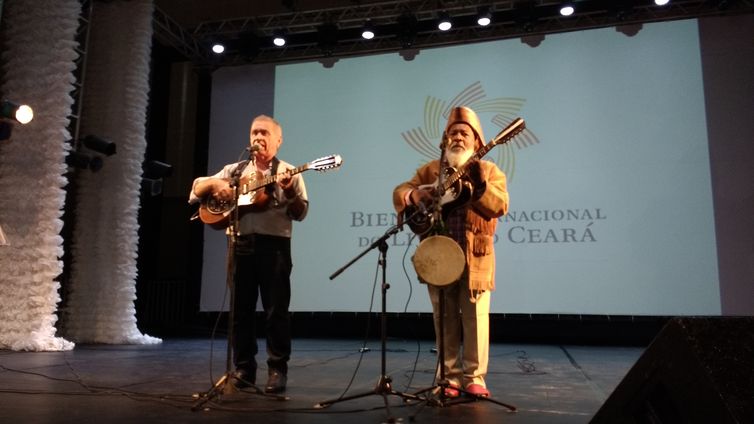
249 39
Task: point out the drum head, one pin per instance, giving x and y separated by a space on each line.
439 261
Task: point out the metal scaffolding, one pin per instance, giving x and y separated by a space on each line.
406 26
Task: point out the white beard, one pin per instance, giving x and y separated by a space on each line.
456 159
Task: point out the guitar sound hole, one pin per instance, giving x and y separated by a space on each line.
217 206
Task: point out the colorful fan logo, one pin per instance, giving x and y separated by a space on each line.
426 139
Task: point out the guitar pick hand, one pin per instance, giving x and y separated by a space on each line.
221 190
422 196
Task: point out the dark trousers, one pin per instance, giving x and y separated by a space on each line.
263 267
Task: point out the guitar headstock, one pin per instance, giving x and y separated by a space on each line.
326 163
508 132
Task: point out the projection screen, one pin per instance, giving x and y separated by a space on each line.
611 201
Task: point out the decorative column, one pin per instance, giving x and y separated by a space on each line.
38 64
100 304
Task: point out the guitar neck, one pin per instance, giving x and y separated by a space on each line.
502 137
257 184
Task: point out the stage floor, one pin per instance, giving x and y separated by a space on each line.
160 383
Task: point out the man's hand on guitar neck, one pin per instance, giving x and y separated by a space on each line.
285 181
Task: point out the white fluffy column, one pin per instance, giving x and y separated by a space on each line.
100 305
38 62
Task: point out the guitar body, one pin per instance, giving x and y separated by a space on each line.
217 213
454 197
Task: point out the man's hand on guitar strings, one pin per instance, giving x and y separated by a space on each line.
422 197
474 173
221 189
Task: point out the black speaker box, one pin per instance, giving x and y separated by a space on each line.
697 370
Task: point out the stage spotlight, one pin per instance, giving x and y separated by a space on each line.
218 48
485 17
328 62
367 32
567 9
629 30
443 22
151 186
533 40
83 161
21 113
6 128
278 38
156 169
153 173
662 2
99 145
215 44
408 54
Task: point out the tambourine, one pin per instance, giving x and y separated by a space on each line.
439 261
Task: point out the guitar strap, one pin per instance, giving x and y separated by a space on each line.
240 168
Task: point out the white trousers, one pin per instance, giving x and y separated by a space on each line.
466 332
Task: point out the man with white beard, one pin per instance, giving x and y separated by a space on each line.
472 225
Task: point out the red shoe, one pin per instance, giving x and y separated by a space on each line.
451 391
477 390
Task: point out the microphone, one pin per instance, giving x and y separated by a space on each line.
253 149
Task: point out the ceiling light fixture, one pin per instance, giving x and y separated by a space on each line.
443 23
485 17
218 48
278 38
367 32
567 9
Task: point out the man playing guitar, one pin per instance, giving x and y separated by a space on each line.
262 251
472 225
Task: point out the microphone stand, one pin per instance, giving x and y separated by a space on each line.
384 384
224 385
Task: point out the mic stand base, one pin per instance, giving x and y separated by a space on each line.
384 384
437 392
223 386
382 388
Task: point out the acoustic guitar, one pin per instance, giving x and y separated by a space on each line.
216 213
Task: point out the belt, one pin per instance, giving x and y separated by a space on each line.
264 241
